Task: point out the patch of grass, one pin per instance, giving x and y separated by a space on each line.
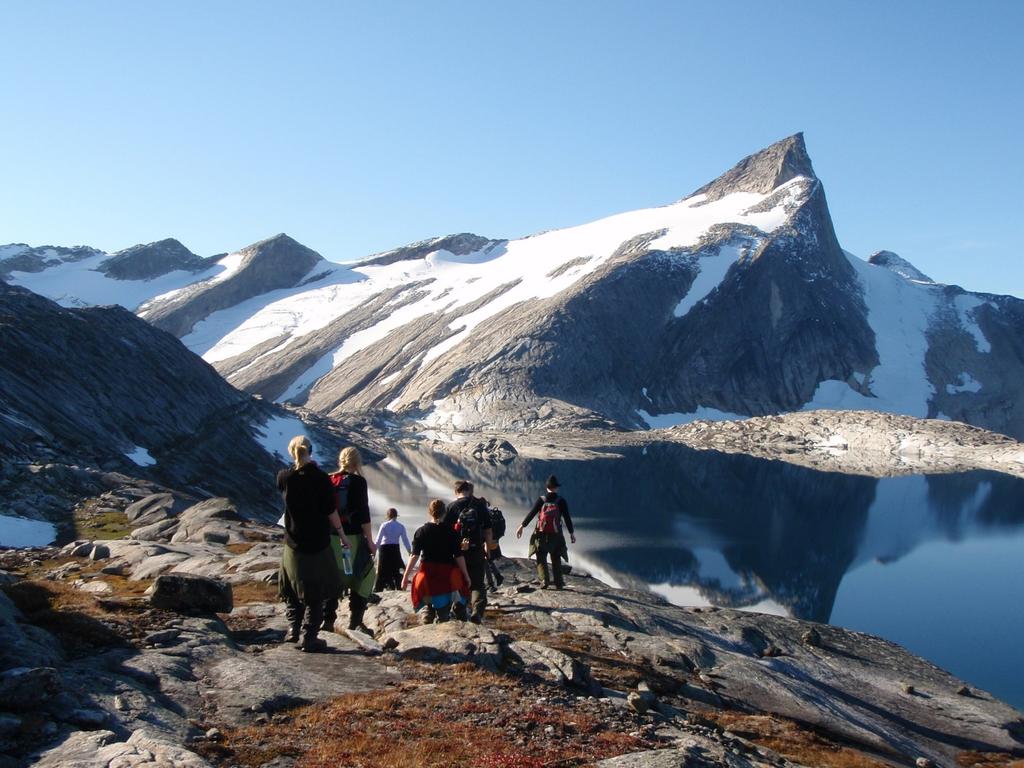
55 607
84 622
93 521
986 759
794 742
437 716
608 667
253 592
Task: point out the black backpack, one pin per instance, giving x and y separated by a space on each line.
341 496
497 523
470 524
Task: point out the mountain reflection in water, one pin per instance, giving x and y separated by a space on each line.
701 527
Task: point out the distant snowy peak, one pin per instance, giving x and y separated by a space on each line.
145 262
19 257
459 245
899 265
273 264
763 171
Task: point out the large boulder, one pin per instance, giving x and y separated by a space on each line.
25 689
185 593
217 517
101 749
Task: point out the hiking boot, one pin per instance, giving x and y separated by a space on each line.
498 578
313 645
292 635
476 619
373 598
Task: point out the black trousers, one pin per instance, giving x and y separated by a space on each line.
356 609
390 567
307 616
476 564
549 545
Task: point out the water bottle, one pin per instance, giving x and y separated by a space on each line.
346 561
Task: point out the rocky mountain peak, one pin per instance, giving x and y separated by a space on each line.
272 264
763 171
899 265
280 252
146 261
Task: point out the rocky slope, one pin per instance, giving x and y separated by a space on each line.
92 396
736 300
95 673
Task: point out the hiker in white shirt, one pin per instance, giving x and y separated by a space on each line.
389 556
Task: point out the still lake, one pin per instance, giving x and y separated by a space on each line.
932 562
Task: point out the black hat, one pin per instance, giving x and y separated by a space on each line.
552 482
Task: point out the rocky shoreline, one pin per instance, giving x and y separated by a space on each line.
853 442
96 672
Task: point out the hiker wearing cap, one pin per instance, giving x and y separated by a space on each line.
468 517
307 576
548 541
389 555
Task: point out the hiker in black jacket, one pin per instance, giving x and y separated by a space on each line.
548 540
468 517
307 576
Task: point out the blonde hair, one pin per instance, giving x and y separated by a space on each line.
436 508
350 461
299 448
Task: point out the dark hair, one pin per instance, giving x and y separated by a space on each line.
463 486
436 508
392 513
552 483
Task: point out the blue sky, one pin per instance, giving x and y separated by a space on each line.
357 127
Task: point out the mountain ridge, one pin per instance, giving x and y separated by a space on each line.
737 300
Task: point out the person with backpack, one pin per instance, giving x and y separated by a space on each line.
442 580
470 521
389 555
307 576
494 577
355 566
548 541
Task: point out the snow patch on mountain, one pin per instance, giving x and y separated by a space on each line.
965 383
702 413
899 312
80 284
140 456
965 306
712 272
275 434
19 532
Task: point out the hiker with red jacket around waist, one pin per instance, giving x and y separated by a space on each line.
547 540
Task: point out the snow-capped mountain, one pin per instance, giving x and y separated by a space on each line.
736 300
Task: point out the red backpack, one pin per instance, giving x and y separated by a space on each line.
549 519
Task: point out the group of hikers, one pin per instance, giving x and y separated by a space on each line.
329 548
